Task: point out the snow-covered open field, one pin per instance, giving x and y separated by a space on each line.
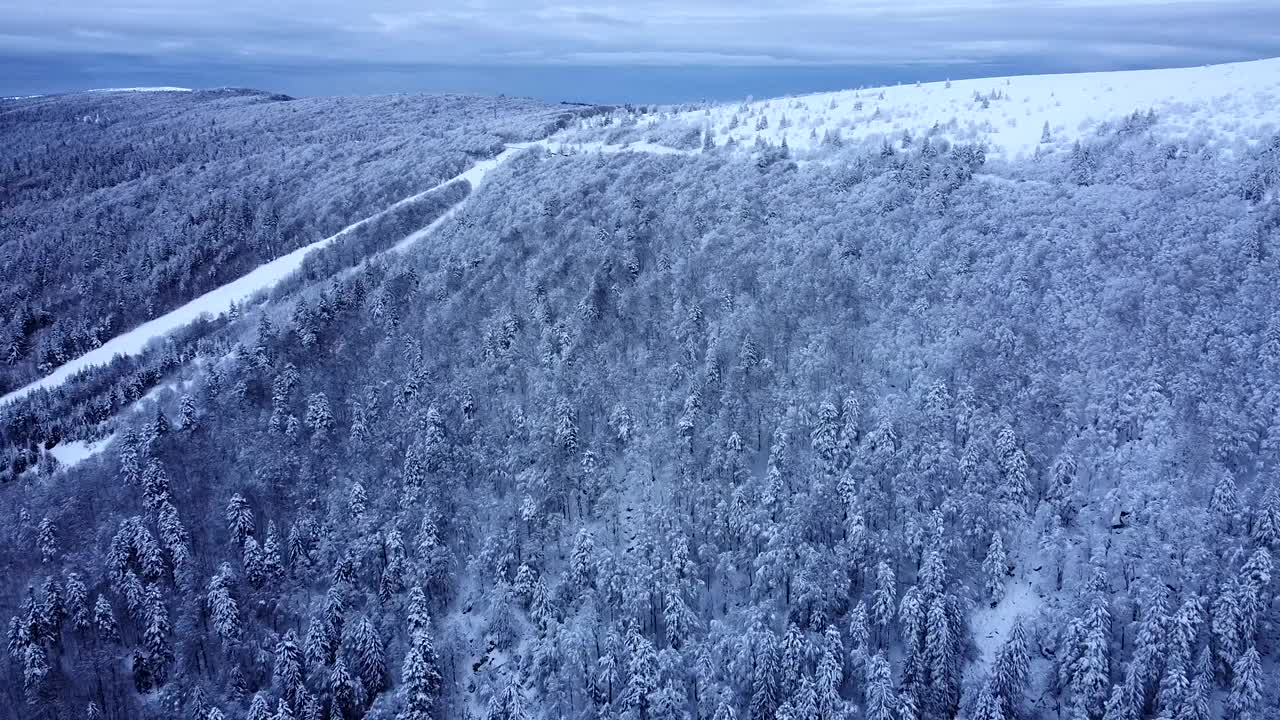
1009 114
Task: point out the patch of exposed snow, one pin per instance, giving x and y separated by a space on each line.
1229 101
141 89
70 454
991 625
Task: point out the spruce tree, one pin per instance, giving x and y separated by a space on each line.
994 569
880 703
287 670
369 656
223 608
1246 685
239 518
420 680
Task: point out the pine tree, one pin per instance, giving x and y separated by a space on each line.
420 678
77 602
508 705
1246 685
1225 503
155 486
642 667
1012 671
806 703
315 646
1118 706
156 636
1254 584
825 437
104 621
158 428
1227 621
941 655
259 709
188 419
582 562
679 618
239 519
566 428
1266 521
880 704
53 610
830 674
766 696
989 705
255 568
1061 495
859 633
1092 669
223 608
287 670
357 501
1195 704
418 611
369 656
272 568
342 687
885 598
1015 489
47 540
319 418
994 568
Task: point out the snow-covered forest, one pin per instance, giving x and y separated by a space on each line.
900 430
115 207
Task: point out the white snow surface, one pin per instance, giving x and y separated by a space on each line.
141 89
991 626
70 454
1221 101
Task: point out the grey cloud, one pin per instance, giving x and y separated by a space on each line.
651 32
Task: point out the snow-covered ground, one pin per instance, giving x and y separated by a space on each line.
1009 114
991 626
142 89
70 454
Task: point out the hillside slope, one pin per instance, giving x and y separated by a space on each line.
119 206
902 433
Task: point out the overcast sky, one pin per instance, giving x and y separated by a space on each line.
53 41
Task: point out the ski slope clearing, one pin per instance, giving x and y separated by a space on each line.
268 275
219 300
1008 114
